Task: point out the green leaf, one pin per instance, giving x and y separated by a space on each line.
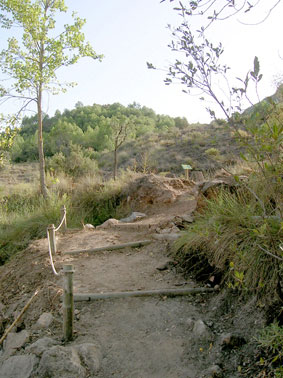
256 66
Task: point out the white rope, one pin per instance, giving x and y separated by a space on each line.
60 225
50 255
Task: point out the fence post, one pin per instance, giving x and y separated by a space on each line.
52 238
68 302
64 214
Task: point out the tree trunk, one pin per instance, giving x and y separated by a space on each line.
115 163
43 187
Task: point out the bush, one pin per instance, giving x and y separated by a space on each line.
213 152
76 164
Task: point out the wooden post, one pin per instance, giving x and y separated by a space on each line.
187 174
63 212
68 303
52 238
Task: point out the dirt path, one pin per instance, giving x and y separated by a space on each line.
139 337
152 337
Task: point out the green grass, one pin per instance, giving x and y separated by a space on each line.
232 235
28 220
25 217
271 342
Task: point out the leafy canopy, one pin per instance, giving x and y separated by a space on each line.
33 62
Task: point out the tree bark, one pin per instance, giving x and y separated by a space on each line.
43 187
115 163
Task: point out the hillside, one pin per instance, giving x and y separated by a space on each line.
154 142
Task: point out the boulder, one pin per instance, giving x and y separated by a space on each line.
61 362
39 346
153 189
166 237
90 356
14 341
208 187
201 331
133 217
197 176
18 367
108 224
44 321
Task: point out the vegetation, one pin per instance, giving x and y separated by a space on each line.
237 233
33 63
94 133
271 341
25 215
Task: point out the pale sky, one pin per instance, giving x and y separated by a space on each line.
131 32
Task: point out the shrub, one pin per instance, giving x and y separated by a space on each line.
76 164
213 152
271 341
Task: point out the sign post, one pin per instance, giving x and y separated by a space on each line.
187 168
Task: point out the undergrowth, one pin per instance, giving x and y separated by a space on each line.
238 236
25 217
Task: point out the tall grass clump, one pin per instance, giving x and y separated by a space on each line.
238 236
95 201
28 221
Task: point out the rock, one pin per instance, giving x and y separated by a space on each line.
213 372
187 218
190 323
152 189
44 321
15 341
230 341
77 314
1 307
18 367
40 346
201 331
166 237
61 362
172 229
108 224
88 227
207 186
133 217
166 265
181 220
90 355
197 176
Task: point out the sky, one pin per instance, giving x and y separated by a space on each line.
130 33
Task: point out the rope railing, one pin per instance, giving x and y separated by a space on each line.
51 237
50 255
67 272
63 221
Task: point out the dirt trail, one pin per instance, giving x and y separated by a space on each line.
139 337
130 268
152 337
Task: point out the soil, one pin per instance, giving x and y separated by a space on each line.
153 337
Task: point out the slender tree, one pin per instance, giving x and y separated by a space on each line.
32 62
121 127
